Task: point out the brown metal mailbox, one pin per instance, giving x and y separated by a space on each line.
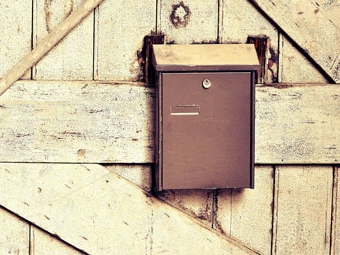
205 116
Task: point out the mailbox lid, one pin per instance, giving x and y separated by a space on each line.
205 57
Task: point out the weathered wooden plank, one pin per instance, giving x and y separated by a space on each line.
297 125
197 203
303 21
246 214
102 122
239 20
43 243
15 33
48 43
99 212
76 122
190 21
303 210
14 237
335 245
296 68
120 29
72 59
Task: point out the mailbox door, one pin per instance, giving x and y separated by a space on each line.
206 130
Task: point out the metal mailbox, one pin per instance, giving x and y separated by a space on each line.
205 116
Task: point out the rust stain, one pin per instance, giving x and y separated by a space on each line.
180 15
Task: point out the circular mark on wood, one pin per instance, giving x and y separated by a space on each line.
180 15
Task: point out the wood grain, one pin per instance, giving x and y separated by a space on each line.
303 209
101 213
303 21
47 44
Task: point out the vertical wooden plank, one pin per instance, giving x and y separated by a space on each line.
303 210
189 21
120 29
246 214
72 58
14 236
239 20
15 33
296 68
335 246
43 243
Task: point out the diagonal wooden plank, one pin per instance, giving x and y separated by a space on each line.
99 212
48 43
310 28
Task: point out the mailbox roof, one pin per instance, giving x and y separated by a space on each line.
205 57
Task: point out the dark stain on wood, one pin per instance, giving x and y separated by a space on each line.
262 46
145 57
177 18
68 13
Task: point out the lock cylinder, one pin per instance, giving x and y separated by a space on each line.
206 83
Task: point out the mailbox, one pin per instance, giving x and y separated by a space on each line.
205 116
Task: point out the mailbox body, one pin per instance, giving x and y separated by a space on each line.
204 116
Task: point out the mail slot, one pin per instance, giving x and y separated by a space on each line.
205 116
